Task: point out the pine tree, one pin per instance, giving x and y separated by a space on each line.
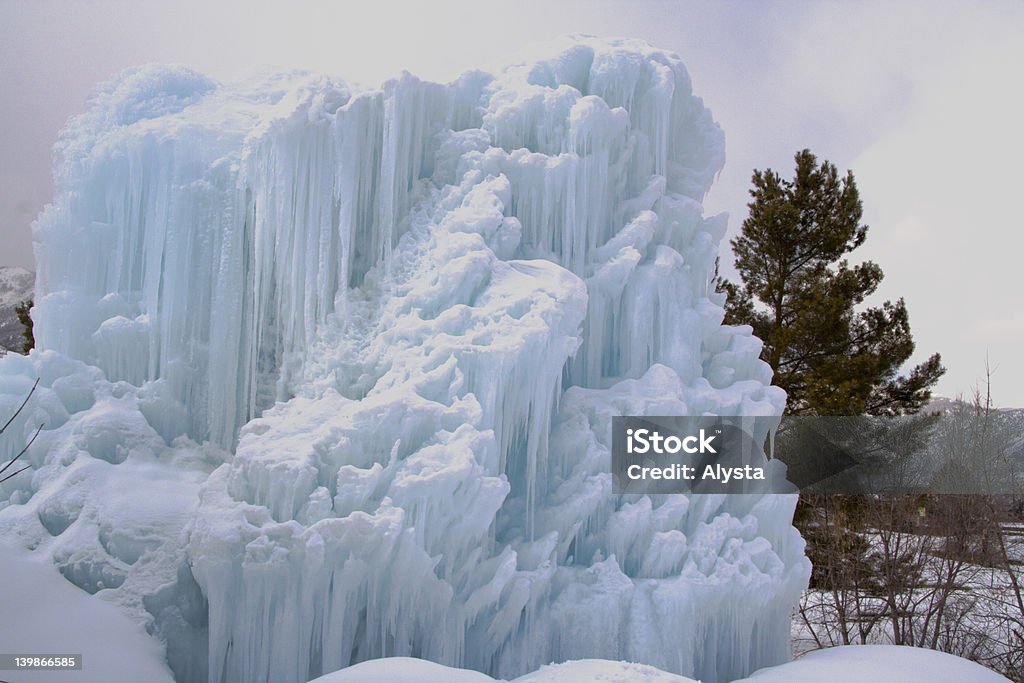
802 297
23 310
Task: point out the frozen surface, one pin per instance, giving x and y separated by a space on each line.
328 374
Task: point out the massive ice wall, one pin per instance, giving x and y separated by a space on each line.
407 315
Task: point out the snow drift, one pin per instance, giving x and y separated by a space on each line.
328 373
844 664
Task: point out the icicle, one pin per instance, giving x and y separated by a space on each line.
411 313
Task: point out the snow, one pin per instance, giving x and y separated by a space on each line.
402 670
328 373
409 670
600 671
850 664
877 664
44 614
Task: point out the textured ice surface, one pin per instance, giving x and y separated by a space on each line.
400 321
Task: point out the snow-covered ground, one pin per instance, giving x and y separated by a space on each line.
877 664
852 664
968 608
42 613
407 670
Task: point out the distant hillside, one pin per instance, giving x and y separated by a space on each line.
16 285
944 404
1011 418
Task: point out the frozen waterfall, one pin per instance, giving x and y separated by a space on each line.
356 353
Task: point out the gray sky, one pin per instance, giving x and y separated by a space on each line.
922 101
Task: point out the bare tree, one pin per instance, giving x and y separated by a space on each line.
3 470
940 571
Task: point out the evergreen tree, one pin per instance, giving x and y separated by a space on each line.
24 317
801 296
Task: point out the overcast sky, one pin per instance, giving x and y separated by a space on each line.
922 101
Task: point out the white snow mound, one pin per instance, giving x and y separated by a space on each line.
850 664
402 670
877 664
44 614
409 670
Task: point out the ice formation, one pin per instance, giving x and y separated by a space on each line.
328 373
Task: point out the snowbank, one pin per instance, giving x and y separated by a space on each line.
408 670
41 613
852 664
877 664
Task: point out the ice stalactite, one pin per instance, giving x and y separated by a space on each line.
409 315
